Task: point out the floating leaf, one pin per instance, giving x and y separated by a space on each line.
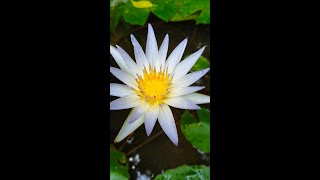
135 16
197 132
204 17
193 10
165 9
200 172
177 17
202 63
191 6
118 169
136 12
141 4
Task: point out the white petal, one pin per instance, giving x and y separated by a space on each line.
139 54
152 46
120 90
198 98
150 118
190 78
176 56
125 102
138 111
163 52
129 61
184 66
181 103
180 91
118 58
127 128
167 123
124 77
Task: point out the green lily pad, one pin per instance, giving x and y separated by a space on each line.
165 9
202 63
118 168
195 172
135 16
191 6
197 132
204 17
193 10
178 17
136 12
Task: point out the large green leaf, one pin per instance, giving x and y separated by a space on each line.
191 6
177 17
136 12
196 172
197 132
193 10
118 169
165 9
135 16
204 17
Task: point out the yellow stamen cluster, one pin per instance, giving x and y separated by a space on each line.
154 86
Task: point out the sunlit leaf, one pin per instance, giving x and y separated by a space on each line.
141 4
118 169
200 172
197 132
135 16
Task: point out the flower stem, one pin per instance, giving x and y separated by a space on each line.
143 143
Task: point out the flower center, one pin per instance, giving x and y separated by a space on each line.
154 86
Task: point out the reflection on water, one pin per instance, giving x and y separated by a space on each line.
146 157
133 165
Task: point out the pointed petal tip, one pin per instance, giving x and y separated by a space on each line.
185 40
150 28
196 107
148 133
206 70
175 141
116 140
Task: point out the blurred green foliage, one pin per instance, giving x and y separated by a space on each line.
136 12
200 172
197 132
118 168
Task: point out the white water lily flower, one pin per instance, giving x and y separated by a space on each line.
153 83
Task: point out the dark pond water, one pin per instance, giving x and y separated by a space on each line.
149 156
